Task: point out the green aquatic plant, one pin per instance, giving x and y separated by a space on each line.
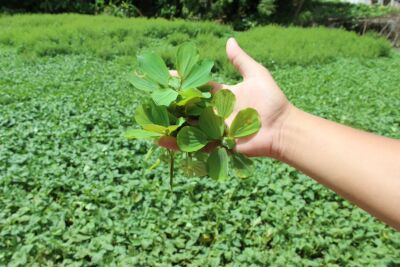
183 107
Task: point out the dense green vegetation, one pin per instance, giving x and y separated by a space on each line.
110 38
75 192
241 14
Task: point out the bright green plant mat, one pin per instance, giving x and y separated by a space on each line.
75 192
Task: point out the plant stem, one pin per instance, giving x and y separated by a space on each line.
171 168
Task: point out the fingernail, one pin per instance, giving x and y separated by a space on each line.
233 41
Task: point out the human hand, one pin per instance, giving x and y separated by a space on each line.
258 90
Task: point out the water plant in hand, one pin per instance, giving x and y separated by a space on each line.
183 107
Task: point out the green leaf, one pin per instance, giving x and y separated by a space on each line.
142 83
154 165
150 113
174 83
206 95
199 168
191 139
201 156
155 128
195 109
180 121
153 66
217 164
159 114
193 167
162 129
243 165
211 124
164 97
246 122
189 95
199 75
205 88
142 115
186 57
229 142
173 128
224 101
150 153
140 134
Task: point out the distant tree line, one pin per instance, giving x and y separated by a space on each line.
242 14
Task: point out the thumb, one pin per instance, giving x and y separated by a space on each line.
245 64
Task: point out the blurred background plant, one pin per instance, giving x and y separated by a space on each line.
240 14
123 9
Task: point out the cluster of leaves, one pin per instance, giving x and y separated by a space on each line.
183 107
74 191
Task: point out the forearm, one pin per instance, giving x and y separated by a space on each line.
362 167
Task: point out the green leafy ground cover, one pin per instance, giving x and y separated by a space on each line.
75 192
111 37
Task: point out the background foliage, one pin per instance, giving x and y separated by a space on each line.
111 38
241 14
340 14
74 191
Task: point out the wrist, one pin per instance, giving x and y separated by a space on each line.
281 147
